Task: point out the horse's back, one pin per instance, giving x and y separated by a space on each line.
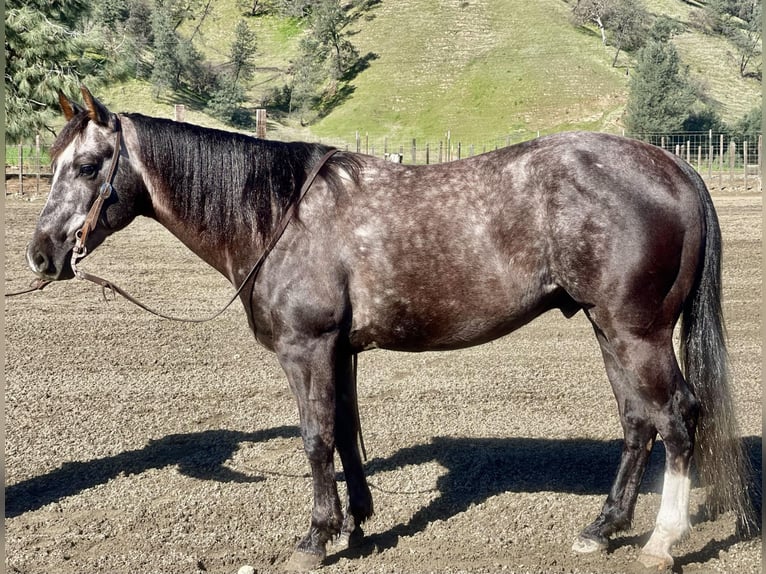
456 254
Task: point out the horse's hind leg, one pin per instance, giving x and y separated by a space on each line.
652 396
640 433
359 501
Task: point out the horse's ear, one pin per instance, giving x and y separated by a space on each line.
70 108
96 110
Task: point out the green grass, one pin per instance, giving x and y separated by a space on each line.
480 69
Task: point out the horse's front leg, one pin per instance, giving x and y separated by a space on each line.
309 363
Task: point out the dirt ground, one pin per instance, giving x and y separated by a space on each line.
138 445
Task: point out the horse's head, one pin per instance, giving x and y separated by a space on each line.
82 156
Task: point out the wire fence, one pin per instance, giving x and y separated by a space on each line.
723 160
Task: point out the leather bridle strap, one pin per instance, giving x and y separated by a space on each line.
104 192
289 215
91 220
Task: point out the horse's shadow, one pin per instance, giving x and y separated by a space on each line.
200 455
475 470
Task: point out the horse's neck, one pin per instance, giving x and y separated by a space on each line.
212 240
215 251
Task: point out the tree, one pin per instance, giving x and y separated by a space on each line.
306 81
242 52
740 21
256 7
625 20
661 97
593 11
749 126
165 43
226 104
328 24
628 23
46 50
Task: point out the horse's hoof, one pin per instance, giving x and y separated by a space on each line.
584 545
656 563
351 539
303 562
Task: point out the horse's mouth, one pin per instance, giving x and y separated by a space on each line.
48 267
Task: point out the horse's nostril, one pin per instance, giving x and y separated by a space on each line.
39 262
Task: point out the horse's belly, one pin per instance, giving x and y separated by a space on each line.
442 320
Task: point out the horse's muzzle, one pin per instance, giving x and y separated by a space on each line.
45 264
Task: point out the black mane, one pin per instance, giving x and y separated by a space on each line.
222 181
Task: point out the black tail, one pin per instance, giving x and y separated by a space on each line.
721 461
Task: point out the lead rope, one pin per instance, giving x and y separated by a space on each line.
355 361
109 286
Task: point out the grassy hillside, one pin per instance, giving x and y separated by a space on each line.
482 69
479 68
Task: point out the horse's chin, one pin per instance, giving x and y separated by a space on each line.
61 275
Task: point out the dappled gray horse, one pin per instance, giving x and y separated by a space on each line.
416 258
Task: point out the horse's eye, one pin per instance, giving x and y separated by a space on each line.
88 170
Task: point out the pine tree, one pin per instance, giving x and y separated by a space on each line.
166 60
661 96
46 50
243 50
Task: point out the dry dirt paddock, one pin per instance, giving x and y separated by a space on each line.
137 445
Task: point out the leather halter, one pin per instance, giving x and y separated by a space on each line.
104 192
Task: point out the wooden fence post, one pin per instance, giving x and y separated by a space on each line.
744 160
260 123
732 155
37 161
21 169
710 156
760 164
414 151
720 162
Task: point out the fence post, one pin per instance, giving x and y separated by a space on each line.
710 156
744 160
37 161
428 153
699 158
732 155
688 151
720 162
760 164
414 151
21 169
